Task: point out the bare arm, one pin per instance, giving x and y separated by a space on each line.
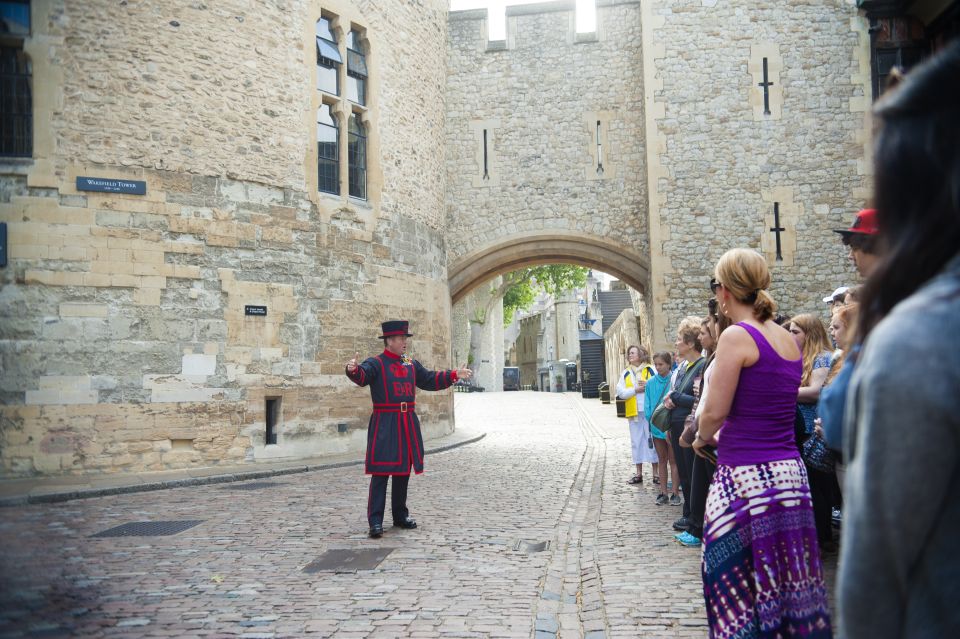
810 394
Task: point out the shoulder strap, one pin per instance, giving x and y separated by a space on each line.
691 372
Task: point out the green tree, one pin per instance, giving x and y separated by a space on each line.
519 290
520 287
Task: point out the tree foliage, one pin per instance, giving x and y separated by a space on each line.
520 288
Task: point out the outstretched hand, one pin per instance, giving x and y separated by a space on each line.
352 364
464 373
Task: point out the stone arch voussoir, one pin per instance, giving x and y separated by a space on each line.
603 254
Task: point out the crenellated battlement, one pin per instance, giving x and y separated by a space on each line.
542 20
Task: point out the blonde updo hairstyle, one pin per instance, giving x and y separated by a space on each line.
745 275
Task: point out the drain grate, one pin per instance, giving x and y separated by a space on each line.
149 528
529 547
254 485
345 560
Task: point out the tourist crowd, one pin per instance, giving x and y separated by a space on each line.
767 423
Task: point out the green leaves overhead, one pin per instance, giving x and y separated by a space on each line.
520 288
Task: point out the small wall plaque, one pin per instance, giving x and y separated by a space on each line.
254 310
109 185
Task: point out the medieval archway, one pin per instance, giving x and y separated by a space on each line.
480 265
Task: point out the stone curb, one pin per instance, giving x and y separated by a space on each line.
68 495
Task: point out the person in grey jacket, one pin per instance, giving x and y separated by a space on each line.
899 566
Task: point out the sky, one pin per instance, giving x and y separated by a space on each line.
586 13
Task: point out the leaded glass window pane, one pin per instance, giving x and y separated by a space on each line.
15 17
328 76
357 90
324 31
329 50
328 151
357 158
328 59
356 69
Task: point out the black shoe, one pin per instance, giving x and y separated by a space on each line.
681 524
376 531
407 523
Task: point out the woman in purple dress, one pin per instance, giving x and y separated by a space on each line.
761 564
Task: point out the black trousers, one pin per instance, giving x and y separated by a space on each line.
377 499
823 491
699 488
684 458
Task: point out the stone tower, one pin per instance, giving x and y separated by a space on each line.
125 339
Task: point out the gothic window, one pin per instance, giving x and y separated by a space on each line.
341 112
328 151
328 58
356 69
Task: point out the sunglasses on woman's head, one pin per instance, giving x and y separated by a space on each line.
714 285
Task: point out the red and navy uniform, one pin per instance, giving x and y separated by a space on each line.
394 441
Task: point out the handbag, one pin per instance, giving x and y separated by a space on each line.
816 455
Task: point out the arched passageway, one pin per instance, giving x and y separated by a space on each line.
473 269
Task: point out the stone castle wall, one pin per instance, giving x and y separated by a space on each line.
623 333
539 95
718 163
122 336
122 333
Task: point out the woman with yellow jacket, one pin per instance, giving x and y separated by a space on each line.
630 386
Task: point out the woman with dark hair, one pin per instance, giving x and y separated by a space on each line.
656 389
761 563
898 564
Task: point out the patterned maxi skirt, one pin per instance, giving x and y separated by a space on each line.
761 564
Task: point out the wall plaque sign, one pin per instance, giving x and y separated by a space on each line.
109 185
254 310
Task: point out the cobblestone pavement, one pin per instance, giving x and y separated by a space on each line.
552 468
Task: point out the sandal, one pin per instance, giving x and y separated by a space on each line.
636 479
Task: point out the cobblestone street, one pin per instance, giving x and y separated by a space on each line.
552 468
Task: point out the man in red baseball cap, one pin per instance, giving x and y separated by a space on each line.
861 237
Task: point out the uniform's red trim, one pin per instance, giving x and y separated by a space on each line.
454 376
392 333
383 376
419 447
391 355
406 426
369 500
